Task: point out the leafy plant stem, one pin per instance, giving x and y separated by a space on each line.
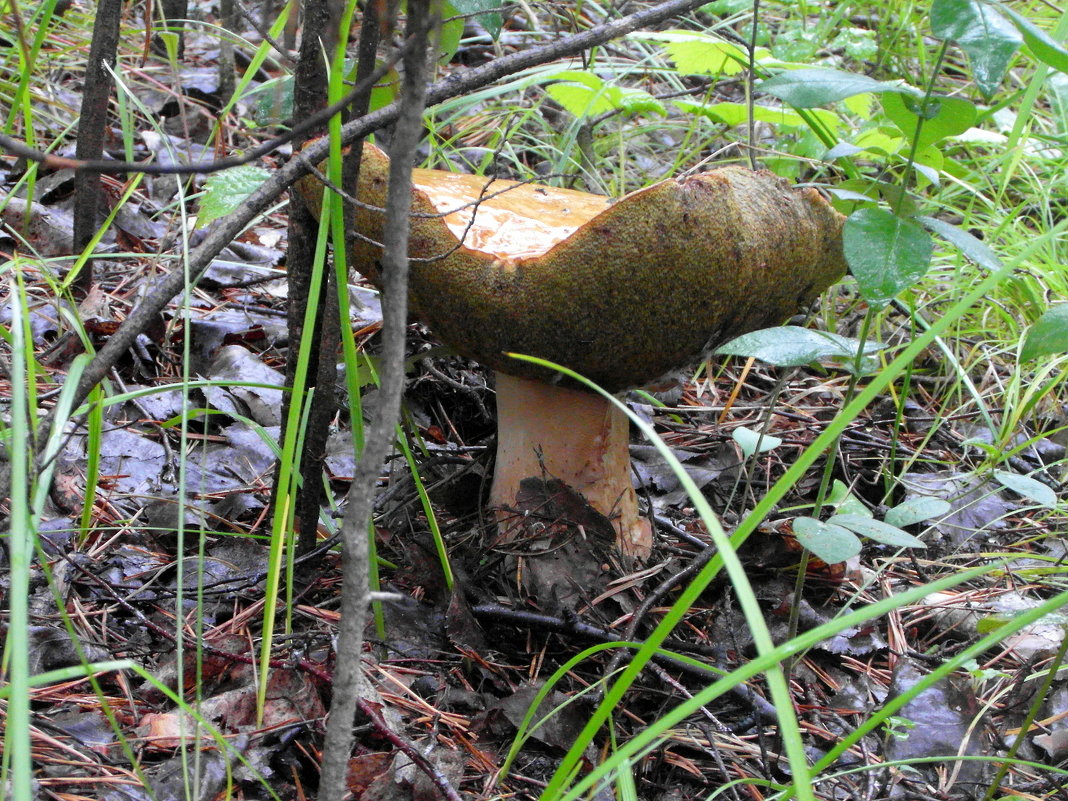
899 412
16 650
825 482
750 76
920 119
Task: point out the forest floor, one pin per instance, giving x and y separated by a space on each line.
170 572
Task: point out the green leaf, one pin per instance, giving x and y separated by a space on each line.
636 101
748 440
738 114
1028 487
793 346
877 530
808 88
983 33
1040 43
695 53
852 505
452 30
487 13
1048 335
916 510
886 253
949 116
226 190
843 499
829 542
967 244
583 94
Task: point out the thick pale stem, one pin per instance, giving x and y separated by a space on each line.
582 439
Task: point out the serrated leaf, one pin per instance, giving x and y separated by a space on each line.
886 253
793 346
487 13
1049 334
983 33
829 542
964 242
695 53
953 116
916 510
585 95
580 100
877 530
1044 48
225 191
1028 487
751 441
808 88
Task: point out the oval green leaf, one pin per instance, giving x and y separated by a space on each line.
886 253
953 116
1041 44
1028 487
225 191
916 510
877 530
830 543
751 441
1049 334
808 88
793 346
488 14
984 34
967 244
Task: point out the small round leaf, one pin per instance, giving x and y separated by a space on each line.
1048 335
830 543
886 253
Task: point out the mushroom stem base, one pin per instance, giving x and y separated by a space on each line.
579 438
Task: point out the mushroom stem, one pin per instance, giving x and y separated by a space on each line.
582 439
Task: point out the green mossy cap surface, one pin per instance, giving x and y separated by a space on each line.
623 292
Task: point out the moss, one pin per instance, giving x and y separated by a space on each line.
644 286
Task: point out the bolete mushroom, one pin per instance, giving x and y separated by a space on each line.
621 292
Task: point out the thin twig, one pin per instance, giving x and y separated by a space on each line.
360 500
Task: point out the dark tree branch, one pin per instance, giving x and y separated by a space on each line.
360 500
310 82
91 126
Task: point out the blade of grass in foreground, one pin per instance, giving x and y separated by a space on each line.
20 550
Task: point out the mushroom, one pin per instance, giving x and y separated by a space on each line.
621 292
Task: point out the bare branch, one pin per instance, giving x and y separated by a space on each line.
360 501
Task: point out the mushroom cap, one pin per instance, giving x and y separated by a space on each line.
623 293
